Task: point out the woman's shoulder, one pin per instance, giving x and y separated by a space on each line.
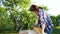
42 11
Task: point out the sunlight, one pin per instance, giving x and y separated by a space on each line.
58 27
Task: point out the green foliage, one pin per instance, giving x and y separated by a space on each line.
54 20
5 22
21 3
11 7
58 19
27 19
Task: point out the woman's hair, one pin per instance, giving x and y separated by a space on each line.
34 8
40 8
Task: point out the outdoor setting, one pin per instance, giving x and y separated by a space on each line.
18 16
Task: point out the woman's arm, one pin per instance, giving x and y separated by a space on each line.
41 12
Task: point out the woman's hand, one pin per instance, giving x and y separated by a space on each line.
43 26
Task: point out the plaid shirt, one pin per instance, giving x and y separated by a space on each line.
45 18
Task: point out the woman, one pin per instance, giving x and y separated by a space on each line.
44 20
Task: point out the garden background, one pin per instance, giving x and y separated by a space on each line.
15 16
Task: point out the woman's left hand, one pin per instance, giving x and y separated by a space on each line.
43 26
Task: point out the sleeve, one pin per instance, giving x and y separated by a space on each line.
42 16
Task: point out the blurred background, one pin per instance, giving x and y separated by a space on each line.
15 15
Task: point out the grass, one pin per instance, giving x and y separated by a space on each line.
56 30
9 32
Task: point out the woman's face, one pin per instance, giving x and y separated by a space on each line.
35 12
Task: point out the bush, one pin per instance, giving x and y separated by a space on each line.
27 20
